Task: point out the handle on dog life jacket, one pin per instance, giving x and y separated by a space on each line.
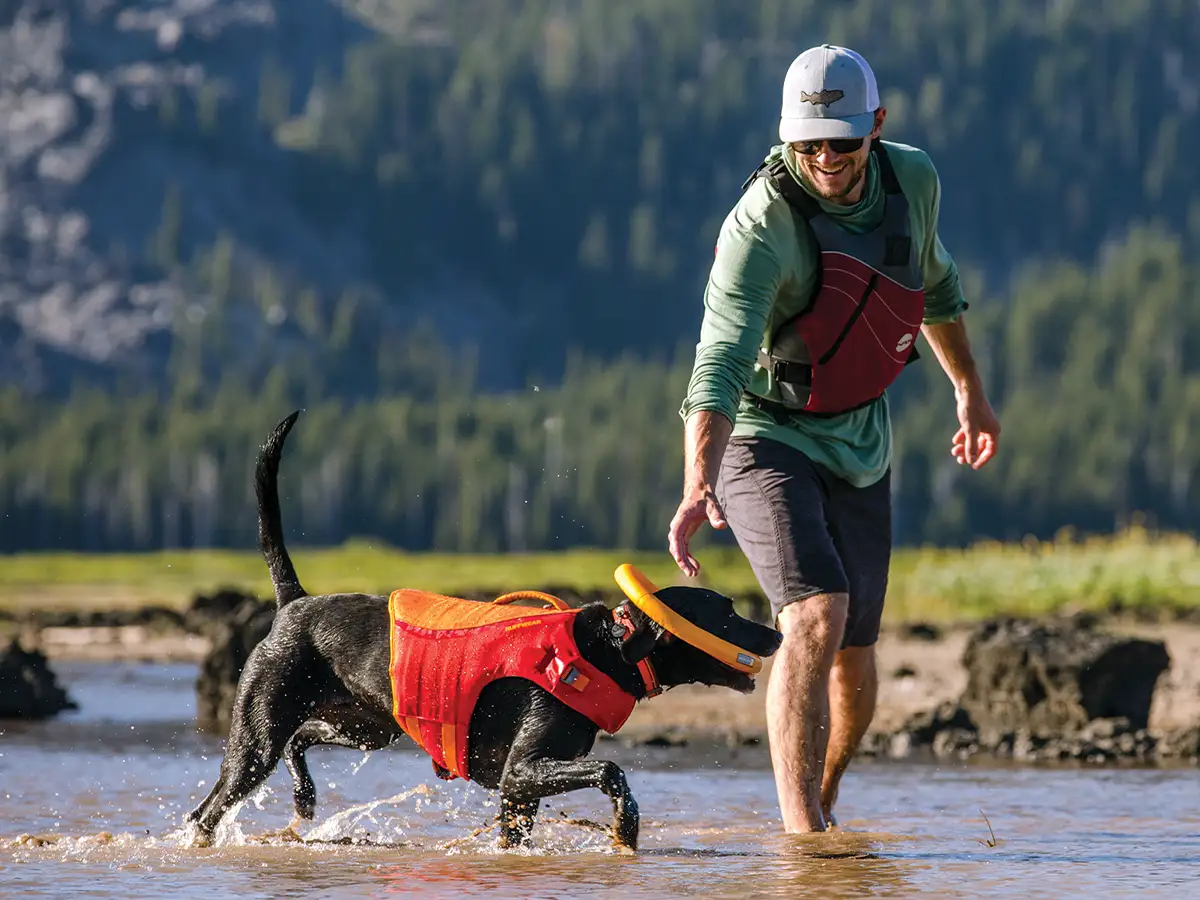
554 602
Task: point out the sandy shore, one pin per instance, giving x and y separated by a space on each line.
916 673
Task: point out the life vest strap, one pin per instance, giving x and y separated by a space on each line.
786 370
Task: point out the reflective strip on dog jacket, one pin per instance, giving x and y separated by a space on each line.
445 650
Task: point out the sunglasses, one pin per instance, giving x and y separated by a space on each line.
842 145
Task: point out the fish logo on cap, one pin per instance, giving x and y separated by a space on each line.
822 98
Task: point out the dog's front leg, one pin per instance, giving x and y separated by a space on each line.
530 780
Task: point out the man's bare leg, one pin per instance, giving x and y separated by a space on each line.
853 684
798 705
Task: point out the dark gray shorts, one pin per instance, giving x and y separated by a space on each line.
806 531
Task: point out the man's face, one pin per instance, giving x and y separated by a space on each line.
834 170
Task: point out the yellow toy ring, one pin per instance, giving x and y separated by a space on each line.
640 591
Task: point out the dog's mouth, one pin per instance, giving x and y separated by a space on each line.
741 682
725 677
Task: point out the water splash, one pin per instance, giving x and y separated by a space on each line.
228 832
345 825
362 762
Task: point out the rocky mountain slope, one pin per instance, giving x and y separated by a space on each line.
282 180
131 137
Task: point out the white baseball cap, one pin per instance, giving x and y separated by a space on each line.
829 93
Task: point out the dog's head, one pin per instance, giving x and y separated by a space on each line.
678 662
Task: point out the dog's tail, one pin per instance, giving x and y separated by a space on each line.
270 520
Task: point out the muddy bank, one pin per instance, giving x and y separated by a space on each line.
1113 688
1079 689
1059 689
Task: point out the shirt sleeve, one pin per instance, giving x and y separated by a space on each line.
944 301
741 290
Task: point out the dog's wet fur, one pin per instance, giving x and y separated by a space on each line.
321 677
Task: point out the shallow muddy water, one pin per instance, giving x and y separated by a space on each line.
91 805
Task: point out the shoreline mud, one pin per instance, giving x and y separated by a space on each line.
923 678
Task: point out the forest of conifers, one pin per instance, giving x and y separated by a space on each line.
577 158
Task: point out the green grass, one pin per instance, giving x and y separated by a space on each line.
1133 569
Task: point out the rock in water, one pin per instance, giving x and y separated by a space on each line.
232 640
28 686
1051 678
209 612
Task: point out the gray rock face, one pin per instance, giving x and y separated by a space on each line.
89 152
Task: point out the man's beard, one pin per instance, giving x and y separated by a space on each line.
855 178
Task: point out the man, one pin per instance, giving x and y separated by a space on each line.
788 436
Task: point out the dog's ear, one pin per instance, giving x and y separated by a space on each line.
642 639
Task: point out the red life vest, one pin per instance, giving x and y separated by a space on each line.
445 650
859 328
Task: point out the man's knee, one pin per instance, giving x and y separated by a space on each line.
818 617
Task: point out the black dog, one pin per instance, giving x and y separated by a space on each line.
321 677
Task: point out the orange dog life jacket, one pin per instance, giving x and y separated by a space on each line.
445 650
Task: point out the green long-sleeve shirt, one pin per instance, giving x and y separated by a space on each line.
764 272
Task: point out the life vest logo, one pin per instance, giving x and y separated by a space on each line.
526 623
904 344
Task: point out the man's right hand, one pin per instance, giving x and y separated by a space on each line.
698 505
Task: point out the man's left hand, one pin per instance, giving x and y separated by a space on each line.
978 436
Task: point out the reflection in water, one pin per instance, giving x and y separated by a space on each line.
835 865
843 863
94 802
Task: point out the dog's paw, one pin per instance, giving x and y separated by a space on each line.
625 843
625 838
626 824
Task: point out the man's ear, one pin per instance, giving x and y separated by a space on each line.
642 639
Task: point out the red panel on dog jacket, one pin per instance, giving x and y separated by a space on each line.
445 650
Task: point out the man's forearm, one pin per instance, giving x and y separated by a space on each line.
953 350
705 435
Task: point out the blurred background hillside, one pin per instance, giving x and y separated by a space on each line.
470 238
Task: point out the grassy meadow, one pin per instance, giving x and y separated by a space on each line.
1133 569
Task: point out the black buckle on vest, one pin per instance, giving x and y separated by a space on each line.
787 372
